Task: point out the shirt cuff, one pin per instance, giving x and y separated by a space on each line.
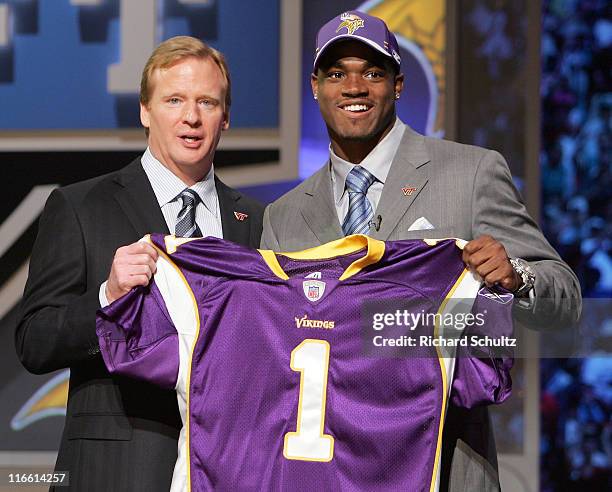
102 296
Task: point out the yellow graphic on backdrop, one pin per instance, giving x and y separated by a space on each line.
48 401
423 23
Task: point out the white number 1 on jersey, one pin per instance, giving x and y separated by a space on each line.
309 443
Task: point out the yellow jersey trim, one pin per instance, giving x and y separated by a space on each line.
340 247
172 242
444 381
271 260
459 242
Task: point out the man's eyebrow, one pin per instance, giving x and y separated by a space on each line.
380 66
368 64
336 64
181 94
207 96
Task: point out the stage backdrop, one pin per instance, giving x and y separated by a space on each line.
68 82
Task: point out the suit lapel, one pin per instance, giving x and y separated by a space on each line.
137 200
236 227
405 181
319 211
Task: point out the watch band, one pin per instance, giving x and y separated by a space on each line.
524 270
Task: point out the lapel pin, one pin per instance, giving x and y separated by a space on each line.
240 216
408 191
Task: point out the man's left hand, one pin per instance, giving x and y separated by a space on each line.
487 257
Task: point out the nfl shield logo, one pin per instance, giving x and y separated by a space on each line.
313 289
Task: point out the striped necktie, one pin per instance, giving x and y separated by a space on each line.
359 215
185 221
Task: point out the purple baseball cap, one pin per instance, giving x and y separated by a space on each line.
360 27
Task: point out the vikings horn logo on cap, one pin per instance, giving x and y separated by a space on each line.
361 27
351 22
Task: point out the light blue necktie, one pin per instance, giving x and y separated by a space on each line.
185 221
359 215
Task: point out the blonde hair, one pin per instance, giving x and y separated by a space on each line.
176 49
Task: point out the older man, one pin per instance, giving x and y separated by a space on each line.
122 434
386 180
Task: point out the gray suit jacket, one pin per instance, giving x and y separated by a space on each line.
465 192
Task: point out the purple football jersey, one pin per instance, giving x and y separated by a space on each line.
271 355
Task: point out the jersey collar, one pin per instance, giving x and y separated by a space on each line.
340 247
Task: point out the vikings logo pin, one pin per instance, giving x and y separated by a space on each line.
351 22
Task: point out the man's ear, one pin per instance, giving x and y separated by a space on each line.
226 121
314 84
399 83
145 118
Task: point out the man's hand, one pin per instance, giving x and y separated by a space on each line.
132 265
487 257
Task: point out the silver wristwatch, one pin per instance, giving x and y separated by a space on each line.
524 270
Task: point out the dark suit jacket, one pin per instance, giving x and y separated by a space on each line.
119 435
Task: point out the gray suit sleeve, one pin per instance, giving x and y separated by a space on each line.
497 210
268 238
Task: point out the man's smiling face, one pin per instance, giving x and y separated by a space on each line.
356 88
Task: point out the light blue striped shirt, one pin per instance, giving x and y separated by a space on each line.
168 187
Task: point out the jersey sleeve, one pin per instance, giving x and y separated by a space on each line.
137 338
148 333
482 366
